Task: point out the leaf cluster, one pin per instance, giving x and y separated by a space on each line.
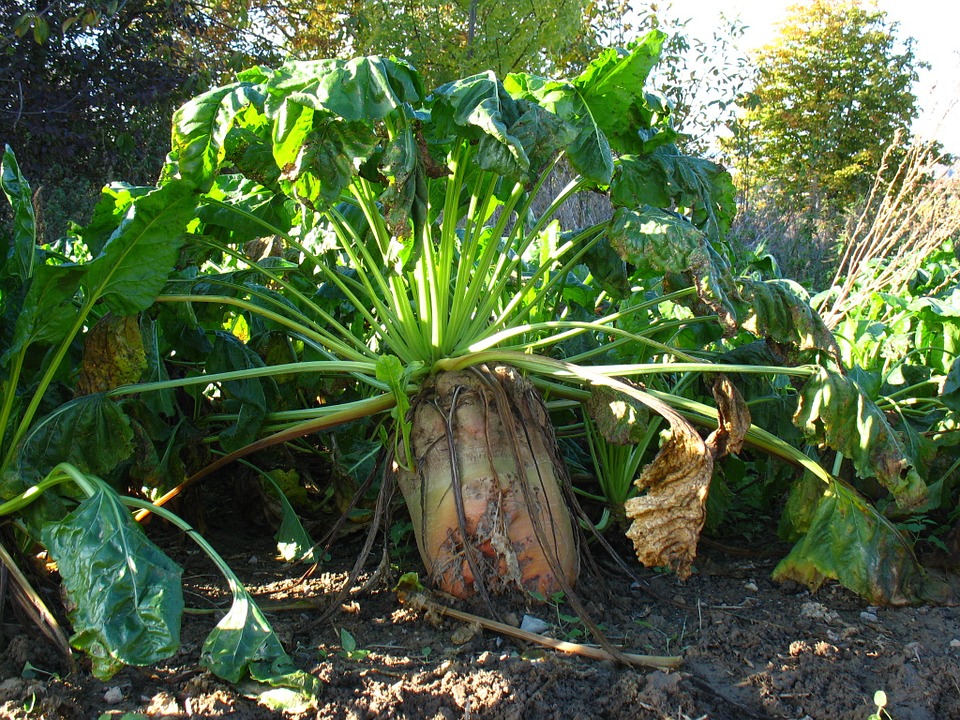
326 234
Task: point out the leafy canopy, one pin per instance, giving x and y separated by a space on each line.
832 92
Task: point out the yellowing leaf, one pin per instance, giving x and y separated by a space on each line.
621 420
113 355
835 412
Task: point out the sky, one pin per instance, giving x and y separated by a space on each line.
932 23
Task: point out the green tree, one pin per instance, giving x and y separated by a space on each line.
86 89
833 90
446 40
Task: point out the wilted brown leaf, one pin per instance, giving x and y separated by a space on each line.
667 520
734 420
668 517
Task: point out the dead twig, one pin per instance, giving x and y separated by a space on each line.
420 600
33 605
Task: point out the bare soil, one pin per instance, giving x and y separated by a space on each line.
750 649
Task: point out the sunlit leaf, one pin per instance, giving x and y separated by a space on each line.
364 89
612 87
293 541
141 252
325 160
200 129
835 412
780 311
657 243
480 102
125 594
667 179
589 150
243 643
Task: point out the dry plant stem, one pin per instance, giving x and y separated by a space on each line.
419 600
34 606
904 219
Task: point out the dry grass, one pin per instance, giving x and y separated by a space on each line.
906 217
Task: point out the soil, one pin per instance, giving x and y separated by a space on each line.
750 649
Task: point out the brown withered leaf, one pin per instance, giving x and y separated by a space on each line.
668 518
113 355
734 420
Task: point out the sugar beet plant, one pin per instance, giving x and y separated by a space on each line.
424 276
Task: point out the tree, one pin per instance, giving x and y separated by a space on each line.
832 92
701 77
90 82
91 85
447 40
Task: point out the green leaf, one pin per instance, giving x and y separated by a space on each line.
113 205
243 642
91 432
41 30
667 179
160 401
247 398
658 243
347 641
326 117
950 395
541 133
140 254
848 540
589 149
779 310
124 592
293 541
835 412
612 88
48 312
325 161
391 371
364 89
18 261
481 102
200 128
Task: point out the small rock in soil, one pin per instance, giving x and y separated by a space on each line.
534 624
113 696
